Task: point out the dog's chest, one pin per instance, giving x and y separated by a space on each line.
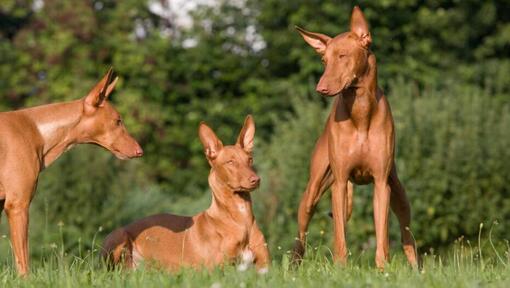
235 242
359 148
356 110
238 250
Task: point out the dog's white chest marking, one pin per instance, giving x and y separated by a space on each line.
242 208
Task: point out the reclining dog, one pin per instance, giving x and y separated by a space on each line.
224 233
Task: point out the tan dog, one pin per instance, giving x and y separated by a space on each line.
223 233
31 139
357 145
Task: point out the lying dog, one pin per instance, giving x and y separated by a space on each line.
224 233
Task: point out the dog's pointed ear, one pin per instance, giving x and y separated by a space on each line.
212 144
111 86
97 96
359 26
318 41
247 134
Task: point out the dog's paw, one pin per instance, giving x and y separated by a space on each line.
263 271
247 258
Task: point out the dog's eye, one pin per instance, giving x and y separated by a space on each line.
118 122
230 162
341 56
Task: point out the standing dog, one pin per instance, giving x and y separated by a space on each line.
223 233
357 145
31 139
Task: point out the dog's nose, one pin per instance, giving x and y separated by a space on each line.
254 180
139 151
322 89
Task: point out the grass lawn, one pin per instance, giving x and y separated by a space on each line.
460 266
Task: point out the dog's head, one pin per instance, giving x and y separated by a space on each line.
232 164
345 57
101 124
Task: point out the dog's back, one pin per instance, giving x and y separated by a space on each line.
148 237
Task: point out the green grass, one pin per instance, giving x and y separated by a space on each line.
459 266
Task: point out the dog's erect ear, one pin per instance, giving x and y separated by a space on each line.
212 144
318 41
111 86
247 134
98 95
359 26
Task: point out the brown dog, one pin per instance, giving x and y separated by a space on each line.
31 139
357 144
223 233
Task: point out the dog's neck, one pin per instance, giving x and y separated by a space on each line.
229 207
57 124
359 102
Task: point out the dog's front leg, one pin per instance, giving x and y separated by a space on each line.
339 205
258 246
19 186
381 202
17 214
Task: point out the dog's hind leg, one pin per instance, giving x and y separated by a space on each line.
2 203
117 249
400 206
320 180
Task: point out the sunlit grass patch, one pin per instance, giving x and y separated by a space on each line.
459 266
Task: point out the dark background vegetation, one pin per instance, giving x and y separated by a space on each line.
443 64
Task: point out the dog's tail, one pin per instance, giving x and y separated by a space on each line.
117 249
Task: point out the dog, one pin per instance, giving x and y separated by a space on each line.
31 139
357 145
224 233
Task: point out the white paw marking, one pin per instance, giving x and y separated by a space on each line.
263 271
137 257
247 258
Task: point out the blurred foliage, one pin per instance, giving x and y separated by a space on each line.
444 64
